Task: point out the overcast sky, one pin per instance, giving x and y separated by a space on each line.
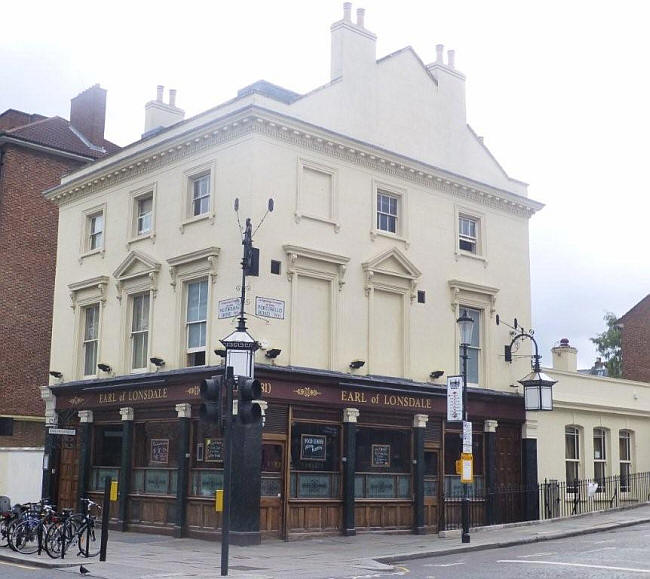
559 89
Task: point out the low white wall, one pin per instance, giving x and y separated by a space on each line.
21 470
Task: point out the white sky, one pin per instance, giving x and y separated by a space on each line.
559 89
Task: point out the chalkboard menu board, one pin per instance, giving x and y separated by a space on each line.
381 455
213 450
312 447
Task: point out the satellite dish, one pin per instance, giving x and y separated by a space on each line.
270 205
236 203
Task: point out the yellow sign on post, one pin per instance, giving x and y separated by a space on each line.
218 501
113 491
467 468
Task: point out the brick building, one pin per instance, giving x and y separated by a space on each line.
35 152
635 338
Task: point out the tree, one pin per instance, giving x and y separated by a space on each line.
609 346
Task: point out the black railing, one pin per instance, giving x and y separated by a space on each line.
548 500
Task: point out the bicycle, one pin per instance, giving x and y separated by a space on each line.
74 530
26 535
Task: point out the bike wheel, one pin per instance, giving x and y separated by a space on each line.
4 532
25 537
87 536
53 540
10 531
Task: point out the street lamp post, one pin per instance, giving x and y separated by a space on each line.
466 325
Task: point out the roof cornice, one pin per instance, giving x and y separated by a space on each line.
146 157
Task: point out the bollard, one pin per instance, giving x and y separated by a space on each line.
106 507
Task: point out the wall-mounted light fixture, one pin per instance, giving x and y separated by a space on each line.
436 374
56 374
220 353
273 353
157 362
104 367
356 364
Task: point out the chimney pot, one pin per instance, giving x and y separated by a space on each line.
347 11
564 342
451 58
439 49
159 93
172 97
360 17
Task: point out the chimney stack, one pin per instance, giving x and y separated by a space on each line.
353 47
451 85
361 12
565 357
159 115
451 58
88 114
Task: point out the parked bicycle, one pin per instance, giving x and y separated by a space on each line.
74 530
26 532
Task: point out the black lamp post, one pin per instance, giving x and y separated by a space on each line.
466 325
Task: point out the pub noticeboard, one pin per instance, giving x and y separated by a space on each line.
381 455
213 450
312 447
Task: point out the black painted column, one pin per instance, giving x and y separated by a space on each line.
490 432
183 459
48 486
125 467
529 464
419 425
85 432
350 416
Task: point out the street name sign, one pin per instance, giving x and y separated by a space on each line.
62 431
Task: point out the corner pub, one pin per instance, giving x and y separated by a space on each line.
340 454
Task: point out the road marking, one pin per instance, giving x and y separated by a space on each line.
442 564
583 565
17 565
604 541
536 555
598 550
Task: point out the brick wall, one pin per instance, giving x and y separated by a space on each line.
26 434
28 232
635 342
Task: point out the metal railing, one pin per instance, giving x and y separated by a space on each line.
549 500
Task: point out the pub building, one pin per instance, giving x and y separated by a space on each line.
340 454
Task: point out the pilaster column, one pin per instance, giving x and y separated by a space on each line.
529 465
490 432
419 425
48 481
350 416
184 412
125 467
86 424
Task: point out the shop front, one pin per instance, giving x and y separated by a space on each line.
340 454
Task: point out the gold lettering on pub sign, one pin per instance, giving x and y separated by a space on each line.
382 399
133 395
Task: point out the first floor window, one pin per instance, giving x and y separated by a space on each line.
95 231
474 347
600 457
625 458
145 212
468 234
387 214
140 332
572 456
196 322
90 339
200 195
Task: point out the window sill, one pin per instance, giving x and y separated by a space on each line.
460 253
300 216
90 253
139 370
151 236
374 233
198 218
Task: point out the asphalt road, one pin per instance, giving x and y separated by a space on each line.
623 552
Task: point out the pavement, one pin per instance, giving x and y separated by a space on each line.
132 555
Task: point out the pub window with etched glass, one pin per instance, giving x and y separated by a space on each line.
206 475
315 461
572 457
383 468
600 458
453 448
107 455
155 451
625 458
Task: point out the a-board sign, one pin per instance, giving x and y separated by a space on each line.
381 455
213 450
312 447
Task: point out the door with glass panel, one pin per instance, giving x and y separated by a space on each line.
272 489
431 489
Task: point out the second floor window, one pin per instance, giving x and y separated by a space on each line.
387 212
95 231
468 234
196 322
600 457
140 332
145 210
474 348
572 456
200 195
90 339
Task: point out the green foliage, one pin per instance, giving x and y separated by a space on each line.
609 346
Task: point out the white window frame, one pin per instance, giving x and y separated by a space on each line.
85 341
600 433
478 349
402 220
186 333
86 231
480 220
576 433
133 333
333 217
189 177
137 197
627 435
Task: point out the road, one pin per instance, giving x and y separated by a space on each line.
620 553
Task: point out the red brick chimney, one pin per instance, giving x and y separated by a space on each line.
88 114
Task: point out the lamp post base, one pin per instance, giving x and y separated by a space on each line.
465 537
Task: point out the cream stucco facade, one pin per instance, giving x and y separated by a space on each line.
350 289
